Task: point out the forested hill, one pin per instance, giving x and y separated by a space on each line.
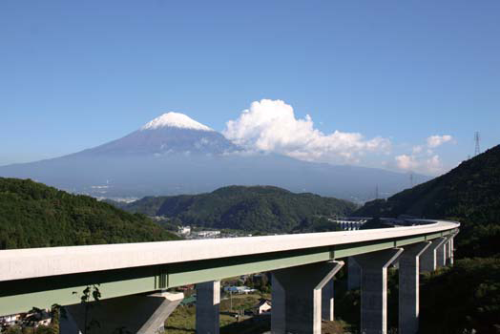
35 215
469 193
464 298
261 208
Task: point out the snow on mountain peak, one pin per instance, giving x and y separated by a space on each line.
177 120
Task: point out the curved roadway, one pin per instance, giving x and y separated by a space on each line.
54 261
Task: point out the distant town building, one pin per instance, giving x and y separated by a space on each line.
188 233
9 320
239 289
184 230
205 234
263 307
34 320
26 320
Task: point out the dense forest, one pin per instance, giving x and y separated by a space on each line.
261 208
35 215
464 298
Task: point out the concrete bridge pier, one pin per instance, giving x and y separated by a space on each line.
327 301
278 317
141 314
451 250
374 289
409 287
207 307
353 274
429 259
441 253
297 294
446 254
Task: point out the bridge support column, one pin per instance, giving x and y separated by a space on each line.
327 301
441 254
451 250
446 252
409 287
207 307
428 260
131 314
374 289
353 274
299 292
278 322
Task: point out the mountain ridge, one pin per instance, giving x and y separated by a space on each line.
266 209
469 193
170 158
458 184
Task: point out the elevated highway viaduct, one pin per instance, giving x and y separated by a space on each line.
134 279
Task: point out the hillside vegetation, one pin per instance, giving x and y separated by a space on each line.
464 298
262 208
35 215
469 193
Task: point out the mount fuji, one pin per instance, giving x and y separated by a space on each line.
171 133
174 154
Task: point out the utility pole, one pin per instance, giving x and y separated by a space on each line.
477 140
411 179
376 191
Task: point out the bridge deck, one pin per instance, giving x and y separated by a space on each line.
44 276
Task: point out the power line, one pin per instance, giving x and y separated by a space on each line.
477 140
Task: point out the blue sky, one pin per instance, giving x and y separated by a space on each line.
75 74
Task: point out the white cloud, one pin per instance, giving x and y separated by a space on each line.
437 140
271 126
428 165
423 159
417 149
406 162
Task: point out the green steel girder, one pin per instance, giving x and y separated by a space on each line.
203 271
22 295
